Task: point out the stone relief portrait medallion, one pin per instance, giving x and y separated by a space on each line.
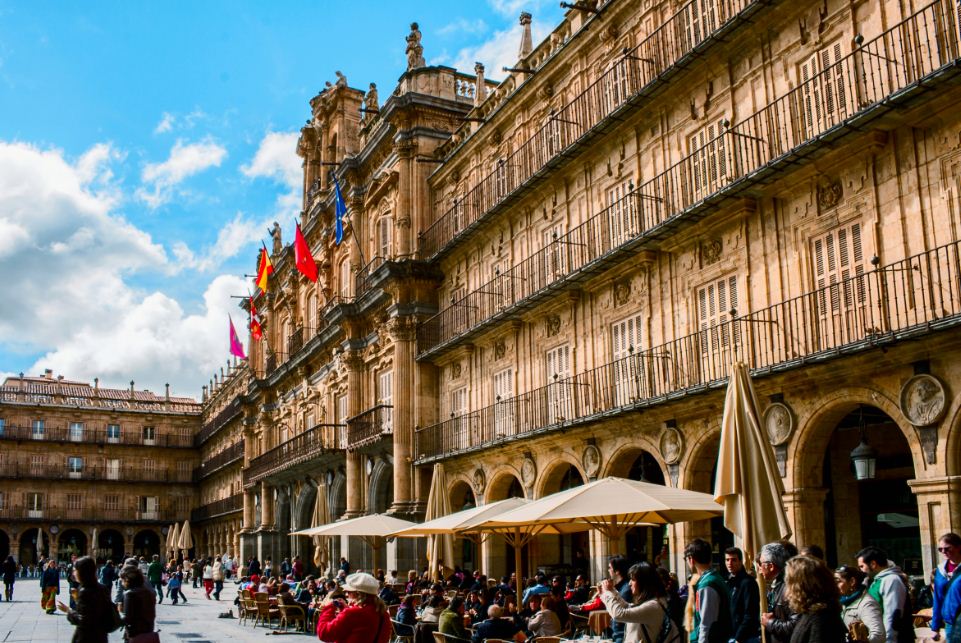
528 472
923 400
778 423
480 481
672 445
591 459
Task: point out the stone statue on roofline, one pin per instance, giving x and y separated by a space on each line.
415 51
341 79
370 100
275 234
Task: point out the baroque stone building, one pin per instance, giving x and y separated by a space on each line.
546 280
92 470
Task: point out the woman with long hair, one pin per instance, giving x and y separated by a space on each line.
859 611
95 615
362 619
813 594
647 618
139 607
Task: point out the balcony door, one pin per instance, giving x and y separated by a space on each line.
34 504
559 401
719 336
504 403
823 91
841 300
76 431
112 469
385 397
628 369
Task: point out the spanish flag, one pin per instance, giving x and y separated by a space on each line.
256 330
264 269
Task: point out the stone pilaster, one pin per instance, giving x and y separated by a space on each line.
939 512
805 509
403 330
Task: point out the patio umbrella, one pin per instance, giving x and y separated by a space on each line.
173 537
455 524
185 540
372 528
747 482
93 544
321 517
440 546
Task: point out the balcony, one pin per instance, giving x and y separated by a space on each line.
98 436
301 449
639 74
370 426
90 510
48 471
229 412
752 152
230 455
905 299
228 505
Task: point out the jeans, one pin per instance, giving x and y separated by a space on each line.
218 587
158 588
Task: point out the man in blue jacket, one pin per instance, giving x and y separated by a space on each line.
946 603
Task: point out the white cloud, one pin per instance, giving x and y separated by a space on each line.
276 158
498 51
231 239
166 123
67 256
185 160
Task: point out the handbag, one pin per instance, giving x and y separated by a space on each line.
858 631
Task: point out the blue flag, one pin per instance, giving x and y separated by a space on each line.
340 209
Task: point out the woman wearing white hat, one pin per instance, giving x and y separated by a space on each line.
363 619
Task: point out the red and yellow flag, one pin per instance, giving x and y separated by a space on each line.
264 269
256 330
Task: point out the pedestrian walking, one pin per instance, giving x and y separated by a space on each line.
218 577
813 593
859 611
889 590
745 597
9 577
712 598
50 586
139 607
943 611
208 576
155 574
175 586
95 616
780 619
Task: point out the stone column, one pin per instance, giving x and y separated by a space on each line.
249 511
939 512
805 509
266 506
355 461
406 184
402 331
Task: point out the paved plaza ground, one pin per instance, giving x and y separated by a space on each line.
195 622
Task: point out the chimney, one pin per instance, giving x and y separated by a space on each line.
167 396
480 93
204 398
131 389
526 42
48 374
96 384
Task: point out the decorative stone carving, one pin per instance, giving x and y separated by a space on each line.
455 370
553 325
415 51
778 423
591 459
500 349
370 99
341 79
528 471
622 292
829 193
480 482
923 400
671 445
276 234
710 251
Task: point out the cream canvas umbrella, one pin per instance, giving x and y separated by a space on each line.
373 528
93 544
173 537
185 540
748 484
440 546
321 517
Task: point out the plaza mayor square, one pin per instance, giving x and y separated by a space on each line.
506 321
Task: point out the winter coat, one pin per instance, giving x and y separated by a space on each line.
943 611
354 624
866 610
643 622
823 626
92 616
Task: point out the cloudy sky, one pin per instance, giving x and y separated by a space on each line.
145 148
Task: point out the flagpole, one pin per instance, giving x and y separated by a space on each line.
360 251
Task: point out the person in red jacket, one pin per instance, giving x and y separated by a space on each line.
363 619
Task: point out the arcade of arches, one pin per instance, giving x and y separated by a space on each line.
112 543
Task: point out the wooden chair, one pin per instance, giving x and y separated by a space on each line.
292 614
247 609
392 610
265 613
397 627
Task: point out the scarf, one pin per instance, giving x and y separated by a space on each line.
847 599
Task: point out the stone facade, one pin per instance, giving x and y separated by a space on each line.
79 462
545 280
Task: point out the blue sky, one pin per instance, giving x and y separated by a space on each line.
145 148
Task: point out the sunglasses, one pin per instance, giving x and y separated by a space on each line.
945 550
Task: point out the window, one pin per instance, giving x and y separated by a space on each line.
459 425
344 278
149 466
76 431
714 303
75 466
701 21
500 178
555 253
3 427
35 503
148 507
112 469
113 433
823 92
459 309
149 435
838 256
37 463
621 214
617 86
504 403
552 130
708 160
183 470
37 430
558 363
457 215
384 236
385 397
341 410
74 502
182 505
629 368
2 500
111 503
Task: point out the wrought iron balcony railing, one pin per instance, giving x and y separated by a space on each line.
90 510
50 471
370 426
98 436
302 448
638 72
230 455
228 505
857 88
907 298
228 413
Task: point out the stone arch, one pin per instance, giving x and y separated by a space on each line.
697 465
950 455
6 545
337 497
111 545
303 507
27 545
282 512
380 489
71 541
461 494
817 427
146 543
500 484
619 463
550 478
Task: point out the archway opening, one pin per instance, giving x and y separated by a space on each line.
501 488
70 543
34 545
110 546
465 549
557 554
146 543
4 545
645 543
881 511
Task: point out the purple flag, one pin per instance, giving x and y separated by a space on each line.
236 348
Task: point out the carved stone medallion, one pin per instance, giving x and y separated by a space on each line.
553 325
591 459
480 482
829 193
455 370
622 292
528 472
672 445
923 400
710 251
500 349
778 423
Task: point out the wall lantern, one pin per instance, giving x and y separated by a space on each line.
864 457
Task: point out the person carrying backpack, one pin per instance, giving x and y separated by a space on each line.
890 591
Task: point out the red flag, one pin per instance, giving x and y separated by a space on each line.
302 258
256 331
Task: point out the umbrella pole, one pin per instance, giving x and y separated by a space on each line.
762 590
517 560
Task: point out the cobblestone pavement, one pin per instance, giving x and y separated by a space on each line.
196 622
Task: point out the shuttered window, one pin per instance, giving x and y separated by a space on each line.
708 160
838 262
555 253
558 365
714 303
622 214
823 90
385 397
628 369
504 402
384 236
